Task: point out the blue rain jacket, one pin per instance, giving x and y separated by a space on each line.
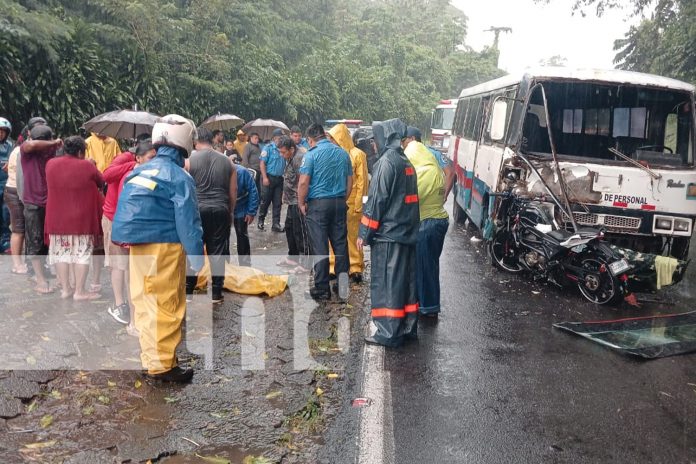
158 205
247 194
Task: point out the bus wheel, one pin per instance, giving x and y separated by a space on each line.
680 247
458 213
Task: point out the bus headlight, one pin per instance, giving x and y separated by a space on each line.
680 225
664 224
691 191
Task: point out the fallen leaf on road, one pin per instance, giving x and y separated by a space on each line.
273 394
39 445
31 360
249 334
255 460
170 399
111 384
319 391
27 314
103 399
535 292
214 459
46 421
138 384
32 407
88 411
45 338
666 394
332 376
55 394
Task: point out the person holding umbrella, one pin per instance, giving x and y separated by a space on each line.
272 169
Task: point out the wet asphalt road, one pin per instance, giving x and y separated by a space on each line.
493 382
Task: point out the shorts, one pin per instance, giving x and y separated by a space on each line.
34 217
16 207
70 249
116 256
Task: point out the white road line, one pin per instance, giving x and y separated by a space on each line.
376 444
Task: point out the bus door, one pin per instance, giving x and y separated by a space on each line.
480 183
465 150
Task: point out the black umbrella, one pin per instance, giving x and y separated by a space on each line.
122 124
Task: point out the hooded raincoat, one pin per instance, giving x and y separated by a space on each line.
390 227
358 160
157 214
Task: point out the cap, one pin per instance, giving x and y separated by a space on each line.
413 132
41 132
277 132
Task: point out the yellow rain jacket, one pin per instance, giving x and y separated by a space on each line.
358 159
431 181
102 151
239 145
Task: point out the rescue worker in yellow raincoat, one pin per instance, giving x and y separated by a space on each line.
341 136
157 216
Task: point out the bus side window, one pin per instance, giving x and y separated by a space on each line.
671 132
460 117
472 118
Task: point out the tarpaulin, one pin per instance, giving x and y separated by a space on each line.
246 280
647 337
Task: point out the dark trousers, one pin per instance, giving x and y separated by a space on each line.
326 221
217 225
272 193
298 236
393 292
431 238
241 229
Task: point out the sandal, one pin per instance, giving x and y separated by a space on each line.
95 288
20 270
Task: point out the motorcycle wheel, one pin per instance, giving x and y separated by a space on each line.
599 286
503 253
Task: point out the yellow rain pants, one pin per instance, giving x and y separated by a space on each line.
157 285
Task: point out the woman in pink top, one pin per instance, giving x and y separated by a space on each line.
117 256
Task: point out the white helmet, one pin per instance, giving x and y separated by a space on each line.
174 131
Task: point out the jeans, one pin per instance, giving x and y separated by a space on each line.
326 221
217 225
241 229
431 238
298 236
272 193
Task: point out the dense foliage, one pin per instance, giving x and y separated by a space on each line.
663 43
294 60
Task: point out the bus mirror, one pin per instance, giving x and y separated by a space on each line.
498 120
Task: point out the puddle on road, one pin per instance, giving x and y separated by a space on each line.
214 454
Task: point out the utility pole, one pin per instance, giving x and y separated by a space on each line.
497 30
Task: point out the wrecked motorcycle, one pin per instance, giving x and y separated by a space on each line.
529 239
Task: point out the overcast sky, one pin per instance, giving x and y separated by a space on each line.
541 31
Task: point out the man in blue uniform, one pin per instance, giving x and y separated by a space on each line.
272 169
326 179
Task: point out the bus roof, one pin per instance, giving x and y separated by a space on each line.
592 75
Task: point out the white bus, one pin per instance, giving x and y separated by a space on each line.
441 124
624 142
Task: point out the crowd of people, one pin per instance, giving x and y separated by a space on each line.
151 213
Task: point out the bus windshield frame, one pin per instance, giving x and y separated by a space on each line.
653 126
443 118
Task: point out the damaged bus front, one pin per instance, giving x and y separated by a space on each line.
624 143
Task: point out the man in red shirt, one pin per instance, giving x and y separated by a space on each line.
34 155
